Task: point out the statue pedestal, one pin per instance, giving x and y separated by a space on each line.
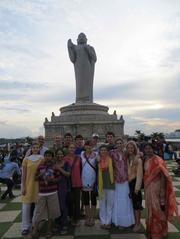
84 119
84 108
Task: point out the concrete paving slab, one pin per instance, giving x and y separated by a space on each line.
8 216
179 208
2 205
17 192
62 237
17 199
176 189
176 183
178 199
90 231
143 203
14 231
172 228
178 179
128 236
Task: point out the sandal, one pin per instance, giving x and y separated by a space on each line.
108 226
137 228
49 235
103 226
92 222
87 222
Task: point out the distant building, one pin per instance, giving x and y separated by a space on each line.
174 135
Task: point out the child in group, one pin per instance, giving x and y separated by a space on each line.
47 206
63 189
29 187
106 187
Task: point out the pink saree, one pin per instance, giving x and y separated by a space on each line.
158 191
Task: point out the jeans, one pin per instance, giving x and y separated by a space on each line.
9 183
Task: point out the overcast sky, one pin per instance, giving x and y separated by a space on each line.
137 72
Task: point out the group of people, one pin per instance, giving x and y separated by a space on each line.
69 177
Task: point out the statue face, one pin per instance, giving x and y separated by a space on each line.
82 39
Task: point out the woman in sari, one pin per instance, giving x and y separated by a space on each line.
159 195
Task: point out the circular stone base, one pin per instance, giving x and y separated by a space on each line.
87 108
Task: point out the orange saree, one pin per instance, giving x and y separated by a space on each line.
160 198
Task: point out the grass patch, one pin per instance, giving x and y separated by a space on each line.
4 227
12 206
93 237
143 213
18 218
173 235
13 237
176 223
116 230
174 179
177 193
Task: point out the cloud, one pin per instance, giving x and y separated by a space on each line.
174 55
16 109
137 45
53 97
140 89
149 125
20 85
163 114
14 131
3 122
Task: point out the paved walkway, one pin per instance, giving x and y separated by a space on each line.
10 218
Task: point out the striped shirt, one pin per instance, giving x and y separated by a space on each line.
48 172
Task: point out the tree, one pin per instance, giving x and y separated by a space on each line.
139 135
157 135
29 140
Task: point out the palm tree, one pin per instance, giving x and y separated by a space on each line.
140 135
157 135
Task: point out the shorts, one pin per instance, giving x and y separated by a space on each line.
86 196
47 207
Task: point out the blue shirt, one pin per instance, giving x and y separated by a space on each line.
8 170
79 150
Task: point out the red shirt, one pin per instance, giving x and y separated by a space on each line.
75 170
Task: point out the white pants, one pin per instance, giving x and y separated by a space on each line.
26 216
106 204
123 213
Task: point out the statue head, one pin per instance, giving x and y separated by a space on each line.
82 38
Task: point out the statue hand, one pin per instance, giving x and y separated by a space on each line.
70 44
87 47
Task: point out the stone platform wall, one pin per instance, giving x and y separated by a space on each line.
84 119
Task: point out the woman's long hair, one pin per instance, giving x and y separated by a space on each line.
136 150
